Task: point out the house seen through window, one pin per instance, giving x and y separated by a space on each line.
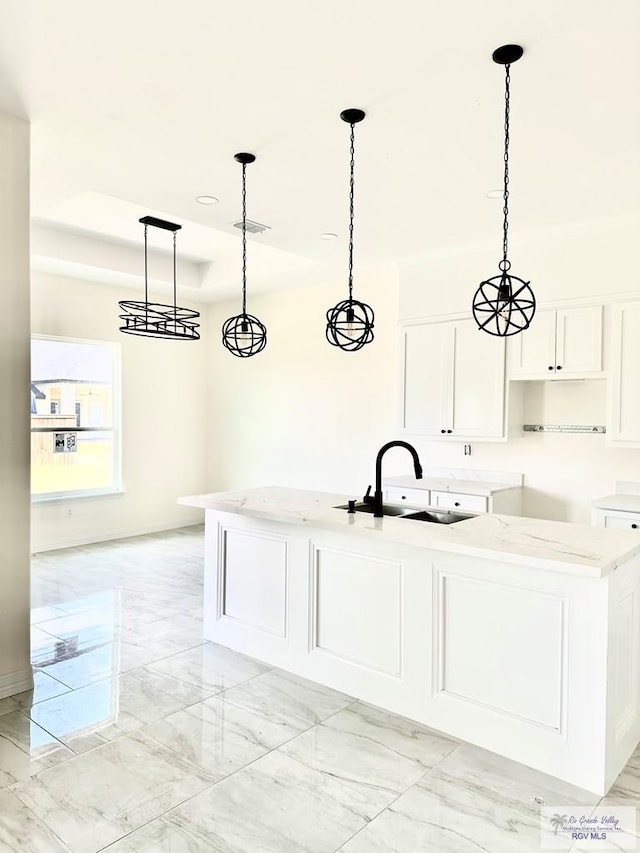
75 436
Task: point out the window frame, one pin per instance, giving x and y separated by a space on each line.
116 428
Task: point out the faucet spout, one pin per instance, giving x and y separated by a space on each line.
417 467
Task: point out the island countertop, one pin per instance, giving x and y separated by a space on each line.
576 549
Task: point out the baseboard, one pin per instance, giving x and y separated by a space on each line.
16 682
74 541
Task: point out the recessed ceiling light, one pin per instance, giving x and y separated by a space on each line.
207 199
328 235
495 194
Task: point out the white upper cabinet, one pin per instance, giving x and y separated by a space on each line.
623 417
453 382
563 343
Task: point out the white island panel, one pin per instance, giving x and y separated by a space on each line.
519 644
357 608
254 577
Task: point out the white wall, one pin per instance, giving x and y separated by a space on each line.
303 413
15 671
164 419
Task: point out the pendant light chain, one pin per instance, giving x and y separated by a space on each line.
350 322
146 275
505 304
505 192
244 238
243 334
351 208
175 275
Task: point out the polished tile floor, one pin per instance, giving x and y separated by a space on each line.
140 737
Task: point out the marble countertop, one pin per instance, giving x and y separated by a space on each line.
550 545
626 503
448 484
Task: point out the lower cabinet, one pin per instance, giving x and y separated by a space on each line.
615 519
506 501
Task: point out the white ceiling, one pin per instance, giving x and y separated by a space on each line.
140 106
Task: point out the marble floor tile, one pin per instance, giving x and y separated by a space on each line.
92 625
90 716
627 785
182 631
210 666
80 664
445 817
365 745
22 832
158 836
96 798
44 687
218 737
276 805
45 613
514 783
26 749
287 699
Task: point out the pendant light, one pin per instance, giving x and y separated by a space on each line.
244 335
154 319
505 305
350 323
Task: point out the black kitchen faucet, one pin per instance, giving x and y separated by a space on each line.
376 500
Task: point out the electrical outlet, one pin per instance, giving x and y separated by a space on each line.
467 450
68 512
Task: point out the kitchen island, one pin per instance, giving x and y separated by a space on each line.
519 635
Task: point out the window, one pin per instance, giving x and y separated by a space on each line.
75 423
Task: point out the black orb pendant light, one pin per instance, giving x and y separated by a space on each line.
350 323
504 305
244 335
154 319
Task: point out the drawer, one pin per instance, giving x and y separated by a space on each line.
628 521
454 500
413 497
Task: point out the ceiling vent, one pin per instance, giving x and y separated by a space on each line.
252 227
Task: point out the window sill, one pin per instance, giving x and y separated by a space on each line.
56 497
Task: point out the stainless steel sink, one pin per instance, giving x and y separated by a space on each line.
434 516
387 510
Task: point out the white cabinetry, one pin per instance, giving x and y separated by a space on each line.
563 343
615 519
453 382
505 501
623 417
458 500
412 497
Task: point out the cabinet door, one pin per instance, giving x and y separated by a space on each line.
411 497
478 389
532 353
624 396
454 500
427 376
578 342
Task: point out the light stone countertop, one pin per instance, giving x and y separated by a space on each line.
625 503
550 545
